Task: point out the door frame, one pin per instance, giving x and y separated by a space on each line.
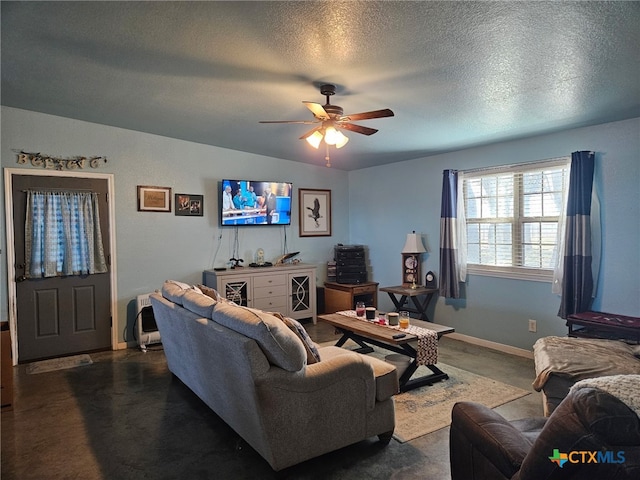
11 254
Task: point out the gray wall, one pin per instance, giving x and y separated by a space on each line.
151 246
390 201
376 207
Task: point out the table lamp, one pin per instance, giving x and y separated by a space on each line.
413 247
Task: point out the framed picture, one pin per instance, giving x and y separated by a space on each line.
154 199
188 205
315 212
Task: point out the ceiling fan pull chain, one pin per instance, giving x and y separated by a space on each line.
327 158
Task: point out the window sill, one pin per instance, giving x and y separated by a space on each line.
513 273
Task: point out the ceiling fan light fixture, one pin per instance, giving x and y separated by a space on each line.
327 117
331 135
342 140
314 139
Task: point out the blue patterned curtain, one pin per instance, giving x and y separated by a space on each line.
452 237
62 234
577 281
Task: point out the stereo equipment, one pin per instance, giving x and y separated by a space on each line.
350 263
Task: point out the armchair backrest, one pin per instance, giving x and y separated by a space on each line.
588 420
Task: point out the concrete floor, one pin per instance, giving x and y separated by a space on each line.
127 417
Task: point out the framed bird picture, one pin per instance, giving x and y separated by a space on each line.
314 208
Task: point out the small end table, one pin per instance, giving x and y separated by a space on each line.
342 296
400 297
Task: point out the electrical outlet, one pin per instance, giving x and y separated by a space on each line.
533 326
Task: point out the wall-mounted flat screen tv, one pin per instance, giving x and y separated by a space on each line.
250 202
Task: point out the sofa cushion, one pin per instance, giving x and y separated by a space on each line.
384 373
280 345
174 290
198 303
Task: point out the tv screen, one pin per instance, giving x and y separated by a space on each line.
250 202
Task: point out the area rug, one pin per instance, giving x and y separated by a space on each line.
59 364
427 409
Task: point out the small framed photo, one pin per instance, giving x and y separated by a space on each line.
188 205
315 212
154 199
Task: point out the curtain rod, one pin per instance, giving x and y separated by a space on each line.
516 165
70 190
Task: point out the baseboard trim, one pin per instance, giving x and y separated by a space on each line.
520 352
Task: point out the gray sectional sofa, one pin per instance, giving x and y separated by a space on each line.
285 396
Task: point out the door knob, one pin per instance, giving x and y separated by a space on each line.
21 278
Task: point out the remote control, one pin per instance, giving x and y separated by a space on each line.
400 335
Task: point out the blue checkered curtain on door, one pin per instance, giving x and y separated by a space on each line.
62 234
452 237
577 280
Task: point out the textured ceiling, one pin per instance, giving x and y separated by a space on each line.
456 74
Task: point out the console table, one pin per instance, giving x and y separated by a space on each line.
400 297
289 289
343 296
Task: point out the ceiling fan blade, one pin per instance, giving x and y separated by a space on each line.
309 133
369 115
317 110
357 128
304 122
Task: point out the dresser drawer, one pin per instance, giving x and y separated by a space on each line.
270 291
268 280
271 304
365 289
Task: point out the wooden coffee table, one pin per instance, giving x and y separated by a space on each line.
366 334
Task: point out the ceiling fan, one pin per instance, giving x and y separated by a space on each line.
330 119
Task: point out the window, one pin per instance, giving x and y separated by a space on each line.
512 216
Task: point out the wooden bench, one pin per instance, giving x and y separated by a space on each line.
604 325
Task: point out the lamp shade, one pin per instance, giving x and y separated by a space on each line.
314 139
342 139
413 244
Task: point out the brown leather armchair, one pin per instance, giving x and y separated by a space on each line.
483 445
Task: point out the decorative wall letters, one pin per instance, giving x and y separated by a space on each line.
55 163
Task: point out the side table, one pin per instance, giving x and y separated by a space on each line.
343 296
400 297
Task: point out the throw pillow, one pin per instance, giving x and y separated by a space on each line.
313 356
210 292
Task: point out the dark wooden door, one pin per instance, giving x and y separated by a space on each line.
61 315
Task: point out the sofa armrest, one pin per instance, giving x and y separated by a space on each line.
322 407
344 372
483 444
